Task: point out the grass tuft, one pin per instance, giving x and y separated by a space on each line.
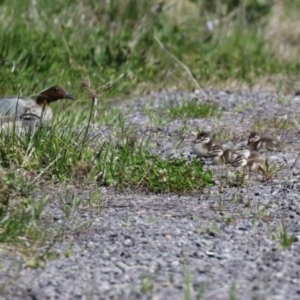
275 122
138 169
193 110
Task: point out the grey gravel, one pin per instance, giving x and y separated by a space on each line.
211 245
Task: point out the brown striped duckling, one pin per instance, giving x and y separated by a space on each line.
247 153
254 164
202 144
257 142
222 156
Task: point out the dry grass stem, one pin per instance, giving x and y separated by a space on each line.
197 86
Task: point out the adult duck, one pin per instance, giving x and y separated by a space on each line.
27 108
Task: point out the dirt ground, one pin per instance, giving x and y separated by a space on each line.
224 243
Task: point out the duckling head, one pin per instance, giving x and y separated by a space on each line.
202 138
253 137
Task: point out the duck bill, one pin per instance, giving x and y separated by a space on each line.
69 96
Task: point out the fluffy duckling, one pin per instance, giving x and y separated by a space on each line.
230 155
216 153
27 109
247 153
221 156
257 142
202 144
253 164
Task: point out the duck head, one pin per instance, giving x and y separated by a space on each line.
52 94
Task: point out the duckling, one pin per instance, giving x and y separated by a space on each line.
27 109
257 142
221 156
230 155
247 153
253 164
202 144
216 152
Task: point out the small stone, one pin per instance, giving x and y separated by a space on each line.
128 242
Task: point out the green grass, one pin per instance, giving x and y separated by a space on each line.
275 122
148 284
128 169
193 110
113 42
286 239
232 293
20 232
187 283
66 156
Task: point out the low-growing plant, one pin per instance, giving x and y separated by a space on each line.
69 203
201 293
212 229
232 292
128 168
269 170
187 283
228 219
18 226
46 148
148 284
286 239
95 200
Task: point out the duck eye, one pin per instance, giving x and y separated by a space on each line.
56 89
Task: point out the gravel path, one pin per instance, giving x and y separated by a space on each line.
222 244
